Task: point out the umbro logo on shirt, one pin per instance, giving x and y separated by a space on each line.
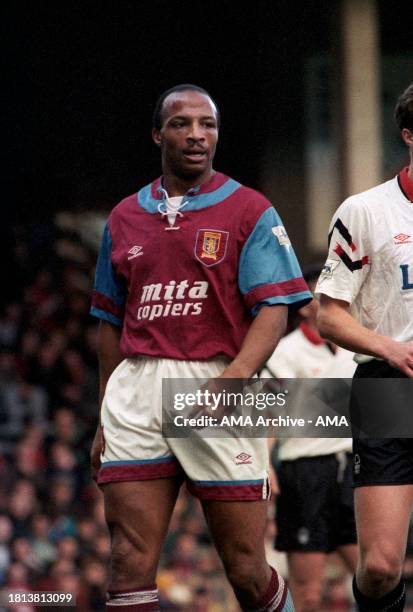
135 251
402 239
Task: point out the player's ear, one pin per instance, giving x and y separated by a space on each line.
156 137
407 136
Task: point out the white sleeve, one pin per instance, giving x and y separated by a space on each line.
349 255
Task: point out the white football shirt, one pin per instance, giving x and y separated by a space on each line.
303 354
370 258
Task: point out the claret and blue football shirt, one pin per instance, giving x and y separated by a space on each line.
189 288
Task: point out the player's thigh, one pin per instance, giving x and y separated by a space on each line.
237 528
382 516
138 513
306 568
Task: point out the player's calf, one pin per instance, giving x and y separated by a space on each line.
132 561
276 597
131 564
137 514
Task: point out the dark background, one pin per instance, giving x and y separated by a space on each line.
81 79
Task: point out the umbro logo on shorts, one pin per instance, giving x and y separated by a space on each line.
402 239
135 251
242 459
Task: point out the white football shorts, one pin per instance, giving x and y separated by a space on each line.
230 468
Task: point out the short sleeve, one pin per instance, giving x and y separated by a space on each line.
109 295
349 257
269 272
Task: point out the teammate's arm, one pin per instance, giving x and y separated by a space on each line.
337 324
109 358
259 343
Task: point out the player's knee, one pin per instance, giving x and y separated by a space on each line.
379 567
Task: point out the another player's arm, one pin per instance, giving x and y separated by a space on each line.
337 324
262 337
109 358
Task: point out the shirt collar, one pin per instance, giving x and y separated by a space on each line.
406 184
213 183
311 335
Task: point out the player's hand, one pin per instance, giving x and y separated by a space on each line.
400 355
214 387
216 406
96 451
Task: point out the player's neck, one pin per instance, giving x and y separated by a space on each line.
410 170
178 186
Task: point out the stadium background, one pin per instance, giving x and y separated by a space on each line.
80 81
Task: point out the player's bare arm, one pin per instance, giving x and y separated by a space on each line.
259 343
337 324
108 352
109 358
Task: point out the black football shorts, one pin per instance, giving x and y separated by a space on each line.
314 511
381 461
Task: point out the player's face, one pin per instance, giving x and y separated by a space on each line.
188 136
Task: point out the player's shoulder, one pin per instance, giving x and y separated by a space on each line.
123 210
253 199
370 200
125 204
375 194
251 209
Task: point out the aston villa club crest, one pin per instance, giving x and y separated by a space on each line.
211 246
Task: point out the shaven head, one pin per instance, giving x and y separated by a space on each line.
157 118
